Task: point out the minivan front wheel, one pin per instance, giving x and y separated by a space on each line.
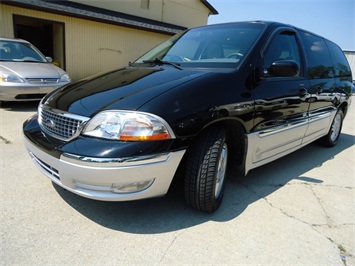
333 135
205 174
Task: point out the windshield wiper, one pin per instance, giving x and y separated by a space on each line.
160 62
27 61
33 61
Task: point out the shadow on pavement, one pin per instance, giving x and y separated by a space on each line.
19 106
169 213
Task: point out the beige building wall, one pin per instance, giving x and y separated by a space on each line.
186 13
90 47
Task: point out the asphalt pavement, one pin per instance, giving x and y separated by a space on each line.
298 210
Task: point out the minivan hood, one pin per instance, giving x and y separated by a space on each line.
123 89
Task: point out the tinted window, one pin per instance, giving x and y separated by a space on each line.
212 46
282 47
317 55
341 65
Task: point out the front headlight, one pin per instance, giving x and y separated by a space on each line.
128 126
65 78
10 77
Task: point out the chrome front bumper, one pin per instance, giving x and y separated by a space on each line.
101 178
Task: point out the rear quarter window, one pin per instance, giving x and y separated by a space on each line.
319 62
341 65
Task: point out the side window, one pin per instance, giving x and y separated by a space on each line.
341 65
282 47
319 63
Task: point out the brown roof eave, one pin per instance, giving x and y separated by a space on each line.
210 7
146 26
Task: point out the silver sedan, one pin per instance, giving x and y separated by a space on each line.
25 73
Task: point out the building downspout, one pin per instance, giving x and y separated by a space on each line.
162 10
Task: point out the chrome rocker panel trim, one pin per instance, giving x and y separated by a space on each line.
317 126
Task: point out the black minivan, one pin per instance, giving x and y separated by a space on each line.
209 101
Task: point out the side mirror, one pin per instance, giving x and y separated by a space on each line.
284 68
49 59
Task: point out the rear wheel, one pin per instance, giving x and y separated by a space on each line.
333 135
205 174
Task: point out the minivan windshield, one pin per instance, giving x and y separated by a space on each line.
223 45
20 52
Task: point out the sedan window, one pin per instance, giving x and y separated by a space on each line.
18 51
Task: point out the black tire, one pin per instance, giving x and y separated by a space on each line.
333 135
205 174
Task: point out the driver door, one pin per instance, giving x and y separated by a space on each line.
281 102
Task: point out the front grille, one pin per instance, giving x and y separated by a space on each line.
59 124
42 81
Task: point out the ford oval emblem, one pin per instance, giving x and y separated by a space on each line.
49 123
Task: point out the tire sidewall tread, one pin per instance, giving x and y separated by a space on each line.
201 168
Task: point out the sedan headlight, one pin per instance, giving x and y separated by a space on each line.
10 77
128 126
64 78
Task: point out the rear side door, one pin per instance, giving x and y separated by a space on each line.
281 102
322 90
